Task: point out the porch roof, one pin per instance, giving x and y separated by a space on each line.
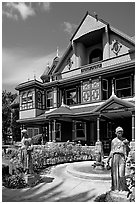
110 108
114 103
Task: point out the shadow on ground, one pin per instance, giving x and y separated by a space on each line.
39 194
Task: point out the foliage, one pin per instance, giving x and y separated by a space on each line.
5 170
15 126
44 155
7 99
15 181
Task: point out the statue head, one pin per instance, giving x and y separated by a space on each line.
119 131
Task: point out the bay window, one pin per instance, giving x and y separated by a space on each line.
27 100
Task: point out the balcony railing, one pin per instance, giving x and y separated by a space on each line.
93 67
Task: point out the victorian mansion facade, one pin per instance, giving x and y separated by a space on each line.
88 92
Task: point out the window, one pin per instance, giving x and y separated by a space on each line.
32 131
27 100
123 87
39 100
49 99
58 131
24 97
36 131
104 89
29 96
80 130
95 56
71 97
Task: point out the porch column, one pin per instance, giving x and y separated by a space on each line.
73 130
98 130
133 127
54 131
50 136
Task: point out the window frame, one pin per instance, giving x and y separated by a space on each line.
127 88
105 90
58 138
51 98
39 102
84 131
27 104
66 98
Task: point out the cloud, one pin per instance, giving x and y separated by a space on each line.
13 10
10 15
18 66
69 27
45 6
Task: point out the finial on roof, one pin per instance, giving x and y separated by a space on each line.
34 76
113 90
57 52
48 65
28 78
96 16
62 102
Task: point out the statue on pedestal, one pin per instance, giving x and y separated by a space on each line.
118 156
26 153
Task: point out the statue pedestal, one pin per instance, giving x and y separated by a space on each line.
117 196
31 179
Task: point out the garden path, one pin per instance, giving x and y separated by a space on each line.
58 186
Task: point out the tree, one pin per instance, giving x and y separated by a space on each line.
7 99
15 126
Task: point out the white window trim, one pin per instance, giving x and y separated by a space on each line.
32 130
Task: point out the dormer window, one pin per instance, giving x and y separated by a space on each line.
95 56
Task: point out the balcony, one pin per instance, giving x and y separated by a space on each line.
100 65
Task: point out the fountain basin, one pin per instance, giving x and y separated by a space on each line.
85 170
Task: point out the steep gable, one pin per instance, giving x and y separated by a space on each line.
89 24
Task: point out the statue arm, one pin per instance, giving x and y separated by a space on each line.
111 153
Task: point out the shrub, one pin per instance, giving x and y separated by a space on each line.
5 172
15 181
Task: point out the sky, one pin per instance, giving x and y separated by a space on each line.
32 33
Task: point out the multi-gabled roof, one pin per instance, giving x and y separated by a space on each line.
89 24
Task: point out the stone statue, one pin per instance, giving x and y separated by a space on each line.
118 155
26 153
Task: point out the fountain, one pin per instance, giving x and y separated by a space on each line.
94 170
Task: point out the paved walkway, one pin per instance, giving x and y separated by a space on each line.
58 186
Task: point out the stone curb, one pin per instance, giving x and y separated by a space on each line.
96 177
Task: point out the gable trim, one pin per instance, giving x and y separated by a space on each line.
114 99
99 19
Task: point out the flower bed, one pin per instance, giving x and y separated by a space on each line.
44 156
60 153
